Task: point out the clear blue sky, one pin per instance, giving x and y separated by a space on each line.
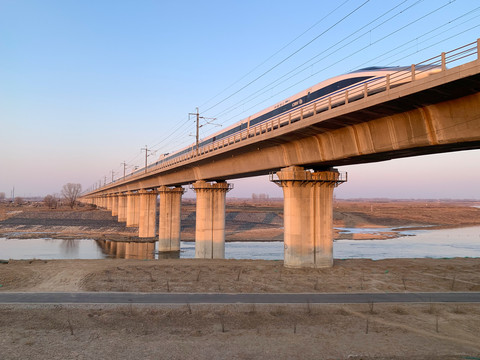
84 85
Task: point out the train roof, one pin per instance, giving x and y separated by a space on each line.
394 68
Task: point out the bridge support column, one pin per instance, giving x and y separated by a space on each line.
109 202
122 207
148 207
169 218
308 216
114 204
101 201
131 209
210 219
136 209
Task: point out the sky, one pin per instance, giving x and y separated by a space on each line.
85 85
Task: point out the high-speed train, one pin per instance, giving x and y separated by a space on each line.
372 78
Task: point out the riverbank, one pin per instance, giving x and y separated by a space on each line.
240 276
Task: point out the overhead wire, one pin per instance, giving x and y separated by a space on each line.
398 48
183 124
347 45
337 61
443 40
308 43
276 53
269 87
285 59
289 56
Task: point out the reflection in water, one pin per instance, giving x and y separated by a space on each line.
68 248
128 250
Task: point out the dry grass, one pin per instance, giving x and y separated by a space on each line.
236 276
234 331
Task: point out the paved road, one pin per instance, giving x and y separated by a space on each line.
170 298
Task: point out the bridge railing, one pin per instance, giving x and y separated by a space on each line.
361 91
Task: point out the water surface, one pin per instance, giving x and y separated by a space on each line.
461 242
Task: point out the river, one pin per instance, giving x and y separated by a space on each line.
459 242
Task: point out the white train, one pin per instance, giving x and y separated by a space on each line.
329 93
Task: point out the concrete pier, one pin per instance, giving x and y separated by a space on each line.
136 209
210 219
308 216
148 203
169 218
109 202
130 209
114 204
122 207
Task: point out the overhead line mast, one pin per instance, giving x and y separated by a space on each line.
197 136
146 156
124 168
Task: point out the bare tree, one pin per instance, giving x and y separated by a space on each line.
2 196
71 192
50 201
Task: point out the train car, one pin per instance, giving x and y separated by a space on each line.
373 79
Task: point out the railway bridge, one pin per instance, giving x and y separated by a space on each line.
425 115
